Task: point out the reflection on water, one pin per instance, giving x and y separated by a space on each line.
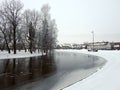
16 71
52 70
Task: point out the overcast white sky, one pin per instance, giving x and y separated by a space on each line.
77 18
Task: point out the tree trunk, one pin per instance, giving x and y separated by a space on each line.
30 46
7 45
14 39
6 42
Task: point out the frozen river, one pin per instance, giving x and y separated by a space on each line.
53 72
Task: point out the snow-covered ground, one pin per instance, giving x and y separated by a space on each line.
107 78
20 54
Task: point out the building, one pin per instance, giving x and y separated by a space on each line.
99 46
76 46
116 45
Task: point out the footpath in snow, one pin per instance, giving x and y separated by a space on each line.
107 78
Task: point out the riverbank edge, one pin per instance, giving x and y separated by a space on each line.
20 54
106 78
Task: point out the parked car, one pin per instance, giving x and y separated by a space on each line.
94 50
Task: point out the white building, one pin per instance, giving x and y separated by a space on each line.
99 46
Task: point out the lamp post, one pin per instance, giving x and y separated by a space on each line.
93 39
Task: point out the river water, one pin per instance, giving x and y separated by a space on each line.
51 72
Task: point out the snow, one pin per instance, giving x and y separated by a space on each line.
20 54
106 78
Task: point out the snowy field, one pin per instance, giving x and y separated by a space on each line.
107 78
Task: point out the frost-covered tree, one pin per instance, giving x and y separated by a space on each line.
28 30
48 30
4 29
52 34
11 9
30 24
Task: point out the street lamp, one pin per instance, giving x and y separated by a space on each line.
93 39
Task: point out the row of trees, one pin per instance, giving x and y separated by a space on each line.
28 29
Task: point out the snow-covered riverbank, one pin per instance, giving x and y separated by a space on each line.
107 78
20 54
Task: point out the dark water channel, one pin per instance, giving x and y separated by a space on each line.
52 72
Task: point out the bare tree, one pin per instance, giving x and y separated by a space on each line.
30 23
31 37
5 31
21 42
12 12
